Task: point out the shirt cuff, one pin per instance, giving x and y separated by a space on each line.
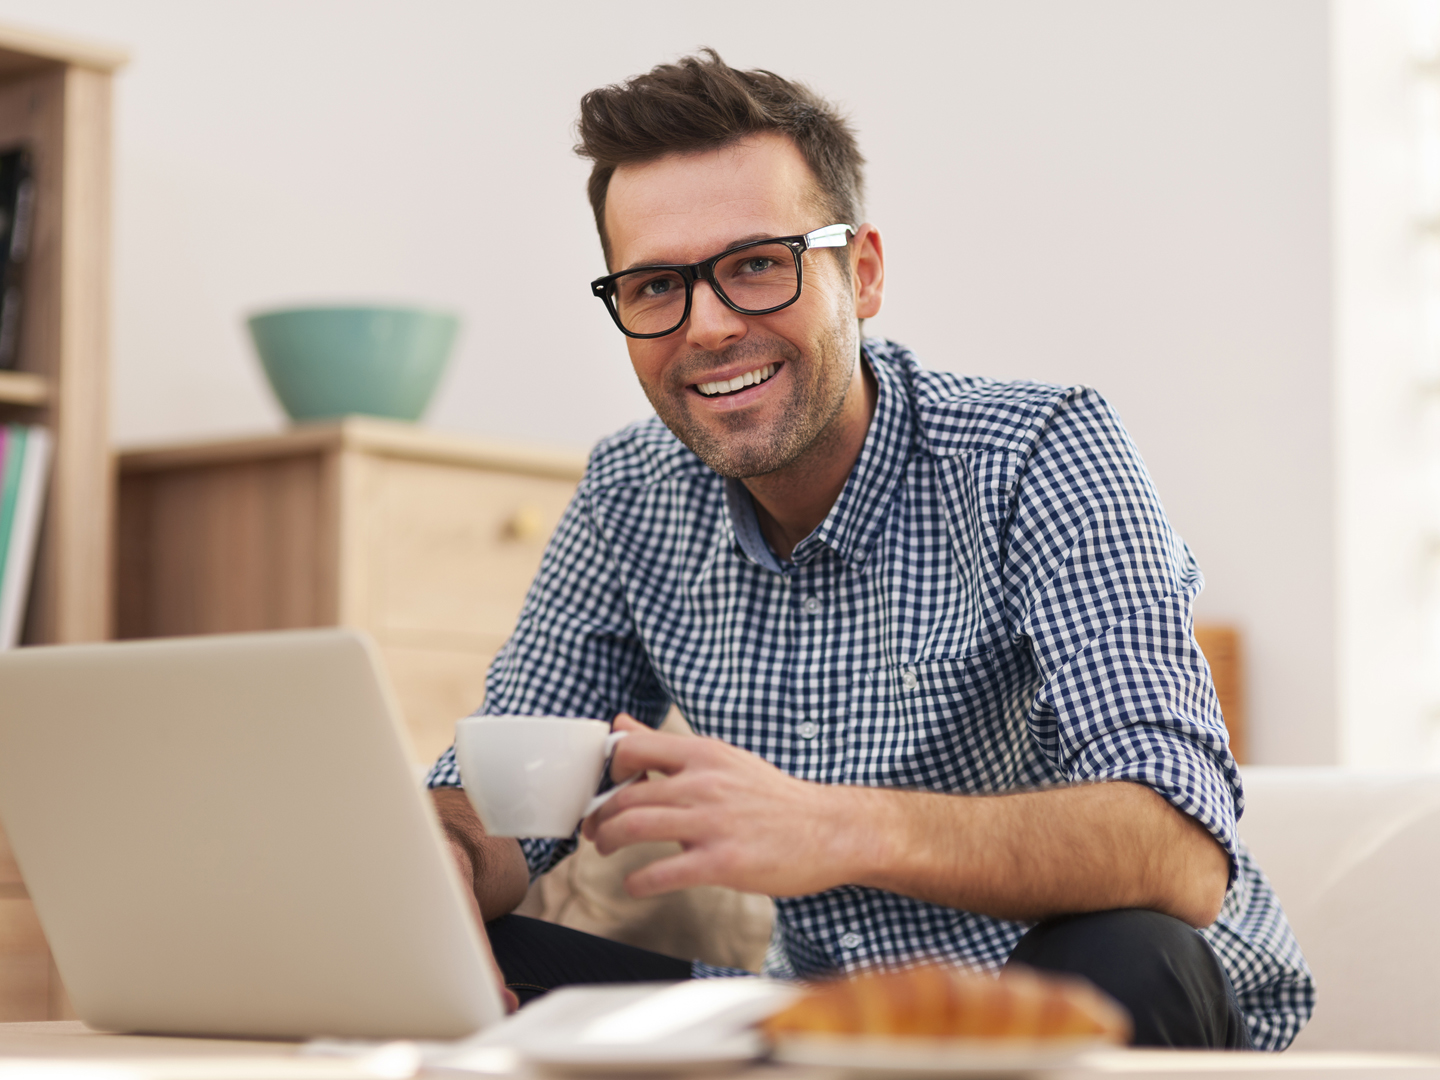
1184 775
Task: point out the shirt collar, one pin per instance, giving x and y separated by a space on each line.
854 522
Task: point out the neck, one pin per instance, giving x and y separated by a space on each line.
791 502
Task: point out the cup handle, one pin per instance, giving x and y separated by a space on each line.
605 796
600 800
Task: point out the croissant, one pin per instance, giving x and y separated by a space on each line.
931 1001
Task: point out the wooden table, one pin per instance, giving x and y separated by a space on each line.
93 1056
72 1039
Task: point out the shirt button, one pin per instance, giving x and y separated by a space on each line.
851 940
809 729
811 605
909 678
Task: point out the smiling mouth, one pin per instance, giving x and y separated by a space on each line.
739 382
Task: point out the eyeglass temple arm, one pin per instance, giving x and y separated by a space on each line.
829 236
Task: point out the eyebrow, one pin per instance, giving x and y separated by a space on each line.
750 238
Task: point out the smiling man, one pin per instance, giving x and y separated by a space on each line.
937 629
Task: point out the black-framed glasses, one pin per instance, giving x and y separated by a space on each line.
755 278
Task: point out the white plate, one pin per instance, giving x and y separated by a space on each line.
877 1056
698 1025
718 1056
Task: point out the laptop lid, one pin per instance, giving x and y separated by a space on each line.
226 835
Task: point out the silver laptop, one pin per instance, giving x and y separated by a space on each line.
226 836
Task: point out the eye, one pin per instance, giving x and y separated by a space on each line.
756 264
652 287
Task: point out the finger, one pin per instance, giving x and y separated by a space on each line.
655 790
645 825
643 750
607 809
627 724
603 814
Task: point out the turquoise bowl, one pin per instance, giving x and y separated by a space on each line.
328 362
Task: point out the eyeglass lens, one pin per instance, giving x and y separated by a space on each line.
754 279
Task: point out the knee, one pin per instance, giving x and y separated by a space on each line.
1156 966
1133 946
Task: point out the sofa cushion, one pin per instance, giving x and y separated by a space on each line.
1355 859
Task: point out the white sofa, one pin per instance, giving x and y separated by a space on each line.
1355 859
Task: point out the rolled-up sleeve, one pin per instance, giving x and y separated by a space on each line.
1102 588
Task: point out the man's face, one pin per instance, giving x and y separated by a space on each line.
687 207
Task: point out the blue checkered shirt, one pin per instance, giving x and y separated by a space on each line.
996 601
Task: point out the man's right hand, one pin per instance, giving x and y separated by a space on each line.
494 867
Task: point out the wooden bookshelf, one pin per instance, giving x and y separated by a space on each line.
23 388
55 97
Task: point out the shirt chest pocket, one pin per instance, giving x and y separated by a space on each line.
938 725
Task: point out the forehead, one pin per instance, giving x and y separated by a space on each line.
685 207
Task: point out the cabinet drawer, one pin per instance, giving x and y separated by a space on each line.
436 687
453 550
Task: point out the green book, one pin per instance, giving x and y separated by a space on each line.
22 514
9 492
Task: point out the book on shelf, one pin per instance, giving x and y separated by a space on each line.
24 472
17 218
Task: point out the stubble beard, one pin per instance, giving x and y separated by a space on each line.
743 452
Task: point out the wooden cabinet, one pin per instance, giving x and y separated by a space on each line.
55 99
427 541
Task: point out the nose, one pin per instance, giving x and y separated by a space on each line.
712 325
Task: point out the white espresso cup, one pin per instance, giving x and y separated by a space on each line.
534 776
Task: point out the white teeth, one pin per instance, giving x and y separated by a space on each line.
726 386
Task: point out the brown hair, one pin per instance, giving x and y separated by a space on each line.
700 103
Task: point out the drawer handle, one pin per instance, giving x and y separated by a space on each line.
527 523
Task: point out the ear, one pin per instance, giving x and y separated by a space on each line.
867 271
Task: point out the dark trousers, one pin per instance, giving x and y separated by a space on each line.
537 956
1159 968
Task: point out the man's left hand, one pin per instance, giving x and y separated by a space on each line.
740 820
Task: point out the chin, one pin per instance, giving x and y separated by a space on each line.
741 463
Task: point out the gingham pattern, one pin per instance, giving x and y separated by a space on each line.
995 601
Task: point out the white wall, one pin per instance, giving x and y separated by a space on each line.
1118 192
1388 523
